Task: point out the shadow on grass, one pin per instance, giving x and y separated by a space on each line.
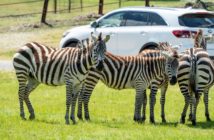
203 125
47 121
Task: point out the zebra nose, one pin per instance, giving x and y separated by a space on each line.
173 81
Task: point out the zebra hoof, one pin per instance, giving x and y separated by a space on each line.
194 122
152 120
79 116
164 120
137 119
32 117
182 121
208 120
190 117
67 122
87 118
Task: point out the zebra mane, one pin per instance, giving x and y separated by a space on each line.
199 40
168 49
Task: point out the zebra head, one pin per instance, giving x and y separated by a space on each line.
171 67
98 51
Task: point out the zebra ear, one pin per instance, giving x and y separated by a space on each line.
94 38
106 39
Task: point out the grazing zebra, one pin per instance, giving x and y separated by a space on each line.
131 72
195 76
35 63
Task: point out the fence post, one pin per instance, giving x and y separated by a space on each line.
69 6
100 11
81 5
44 12
119 3
147 3
55 6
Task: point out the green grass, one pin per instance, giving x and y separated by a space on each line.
111 115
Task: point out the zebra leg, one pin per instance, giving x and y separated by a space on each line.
76 90
68 100
144 106
152 103
32 84
21 100
88 88
162 101
86 99
183 115
195 102
80 102
206 105
138 104
190 111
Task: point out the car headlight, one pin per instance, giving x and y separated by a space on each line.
65 34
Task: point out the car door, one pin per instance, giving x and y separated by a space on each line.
132 34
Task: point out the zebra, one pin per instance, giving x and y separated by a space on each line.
35 63
195 76
131 72
199 42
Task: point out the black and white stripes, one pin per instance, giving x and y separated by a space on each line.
35 63
131 72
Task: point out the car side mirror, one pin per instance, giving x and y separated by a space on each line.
94 24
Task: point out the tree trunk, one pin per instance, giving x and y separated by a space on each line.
147 3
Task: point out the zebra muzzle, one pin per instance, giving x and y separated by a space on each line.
173 81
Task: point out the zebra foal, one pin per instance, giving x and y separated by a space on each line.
131 72
35 63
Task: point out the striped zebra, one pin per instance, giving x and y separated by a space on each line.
162 83
131 72
195 76
35 63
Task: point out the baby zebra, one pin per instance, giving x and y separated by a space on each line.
35 63
131 72
195 76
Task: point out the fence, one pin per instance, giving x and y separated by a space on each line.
34 7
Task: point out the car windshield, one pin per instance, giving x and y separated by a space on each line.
204 20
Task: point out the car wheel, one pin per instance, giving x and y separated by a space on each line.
71 44
151 47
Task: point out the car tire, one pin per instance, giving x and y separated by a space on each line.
72 44
151 47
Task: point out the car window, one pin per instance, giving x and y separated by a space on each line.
155 19
112 20
197 20
135 19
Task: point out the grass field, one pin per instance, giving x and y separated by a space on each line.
111 116
111 110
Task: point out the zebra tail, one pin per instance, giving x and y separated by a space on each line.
193 74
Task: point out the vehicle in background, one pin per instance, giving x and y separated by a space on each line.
133 29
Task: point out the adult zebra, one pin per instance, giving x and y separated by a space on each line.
199 42
195 76
131 72
35 63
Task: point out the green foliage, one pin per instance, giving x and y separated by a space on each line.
111 115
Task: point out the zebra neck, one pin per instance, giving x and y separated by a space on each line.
85 58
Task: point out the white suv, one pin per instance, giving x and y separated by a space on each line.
133 29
